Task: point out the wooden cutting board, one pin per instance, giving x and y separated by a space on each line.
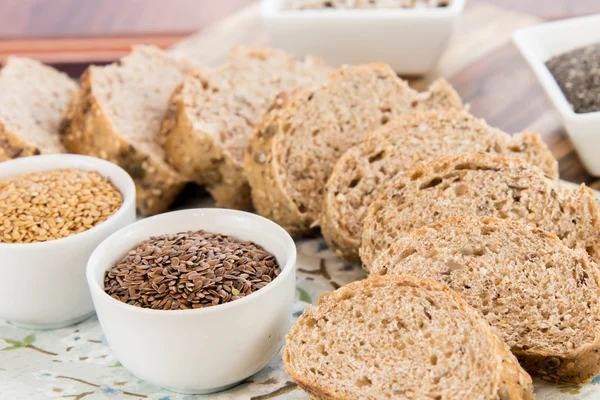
481 62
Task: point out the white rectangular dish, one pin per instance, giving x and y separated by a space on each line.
539 43
410 40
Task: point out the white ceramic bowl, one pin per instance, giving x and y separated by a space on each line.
203 350
410 40
541 42
43 285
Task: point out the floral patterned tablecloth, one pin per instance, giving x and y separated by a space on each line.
76 362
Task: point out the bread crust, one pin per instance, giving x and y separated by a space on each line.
268 195
195 155
87 129
576 367
512 382
13 146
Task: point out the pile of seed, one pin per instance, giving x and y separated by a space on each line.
344 4
53 204
190 270
577 72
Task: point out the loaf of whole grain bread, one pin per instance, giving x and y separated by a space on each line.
400 145
296 145
541 296
117 116
213 113
33 98
481 185
400 337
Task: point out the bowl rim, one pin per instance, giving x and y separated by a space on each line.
93 265
103 167
522 39
274 8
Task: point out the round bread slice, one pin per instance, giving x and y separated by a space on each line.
408 140
541 296
482 185
400 337
295 147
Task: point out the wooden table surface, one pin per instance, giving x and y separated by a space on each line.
496 82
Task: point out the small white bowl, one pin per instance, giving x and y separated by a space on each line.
202 350
538 44
43 284
410 40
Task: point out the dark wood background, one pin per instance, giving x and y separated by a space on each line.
70 34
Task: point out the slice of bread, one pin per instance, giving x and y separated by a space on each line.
364 169
294 149
400 337
482 185
213 114
33 98
541 296
117 116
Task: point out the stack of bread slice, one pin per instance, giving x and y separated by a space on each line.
509 247
213 114
471 224
541 296
168 121
33 98
362 172
117 116
482 185
418 330
297 144
400 337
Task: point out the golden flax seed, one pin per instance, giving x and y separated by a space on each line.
49 205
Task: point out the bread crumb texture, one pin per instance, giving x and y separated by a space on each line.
400 337
213 114
294 149
360 174
33 98
481 185
541 296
